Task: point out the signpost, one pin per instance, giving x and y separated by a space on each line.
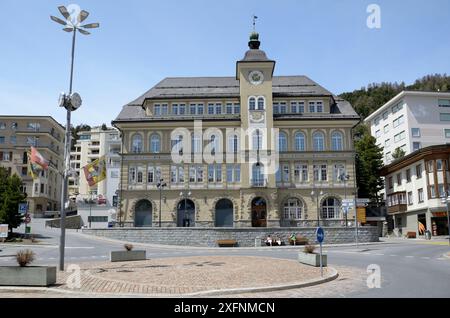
320 233
23 208
3 231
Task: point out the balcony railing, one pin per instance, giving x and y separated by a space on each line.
397 208
259 183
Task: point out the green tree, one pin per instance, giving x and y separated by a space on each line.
369 161
398 153
11 196
75 130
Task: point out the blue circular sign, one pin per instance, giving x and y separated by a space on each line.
320 233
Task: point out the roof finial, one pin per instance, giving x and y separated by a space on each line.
254 36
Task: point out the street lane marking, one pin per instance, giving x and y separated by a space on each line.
409 256
393 255
379 254
80 247
425 257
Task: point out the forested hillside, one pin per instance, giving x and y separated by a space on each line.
368 99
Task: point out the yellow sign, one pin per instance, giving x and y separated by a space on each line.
361 214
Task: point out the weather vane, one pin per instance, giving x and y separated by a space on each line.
254 22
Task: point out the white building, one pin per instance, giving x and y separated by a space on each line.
415 186
97 203
412 120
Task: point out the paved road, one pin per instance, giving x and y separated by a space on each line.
408 269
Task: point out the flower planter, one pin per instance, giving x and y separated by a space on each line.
41 276
128 256
312 259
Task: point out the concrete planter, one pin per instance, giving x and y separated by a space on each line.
27 276
128 256
312 259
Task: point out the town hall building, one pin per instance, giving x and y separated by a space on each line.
252 150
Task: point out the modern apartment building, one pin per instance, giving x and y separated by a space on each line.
212 141
91 145
17 135
415 187
412 120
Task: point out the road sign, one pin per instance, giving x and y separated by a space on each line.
23 208
3 230
361 212
320 235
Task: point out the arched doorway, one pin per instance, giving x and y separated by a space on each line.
186 213
143 214
224 213
259 212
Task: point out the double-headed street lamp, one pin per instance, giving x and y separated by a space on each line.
446 201
70 102
160 186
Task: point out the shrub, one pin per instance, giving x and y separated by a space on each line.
309 249
25 257
128 247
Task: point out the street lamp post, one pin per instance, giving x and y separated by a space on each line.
160 185
316 193
447 202
185 195
345 177
70 102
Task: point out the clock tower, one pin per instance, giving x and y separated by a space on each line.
254 73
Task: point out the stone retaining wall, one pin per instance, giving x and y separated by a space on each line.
246 237
72 222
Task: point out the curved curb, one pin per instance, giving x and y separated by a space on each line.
219 292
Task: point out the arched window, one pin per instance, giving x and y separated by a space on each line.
293 209
261 103
337 143
331 208
258 179
319 141
257 140
252 103
215 144
282 142
155 143
300 144
196 143
233 144
177 144
136 144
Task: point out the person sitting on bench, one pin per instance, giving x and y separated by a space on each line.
269 241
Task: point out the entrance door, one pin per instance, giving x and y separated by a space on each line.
143 214
259 212
224 213
186 214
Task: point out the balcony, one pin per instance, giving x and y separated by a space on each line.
399 208
259 183
40 132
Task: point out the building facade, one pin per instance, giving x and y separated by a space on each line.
415 187
254 150
17 135
411 121
103 197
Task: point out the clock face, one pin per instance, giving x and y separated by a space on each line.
256 77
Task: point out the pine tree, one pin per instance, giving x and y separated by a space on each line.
11 196
369 161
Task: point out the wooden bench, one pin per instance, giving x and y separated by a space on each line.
299 240
227 243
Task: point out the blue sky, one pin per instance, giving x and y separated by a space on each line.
141 42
